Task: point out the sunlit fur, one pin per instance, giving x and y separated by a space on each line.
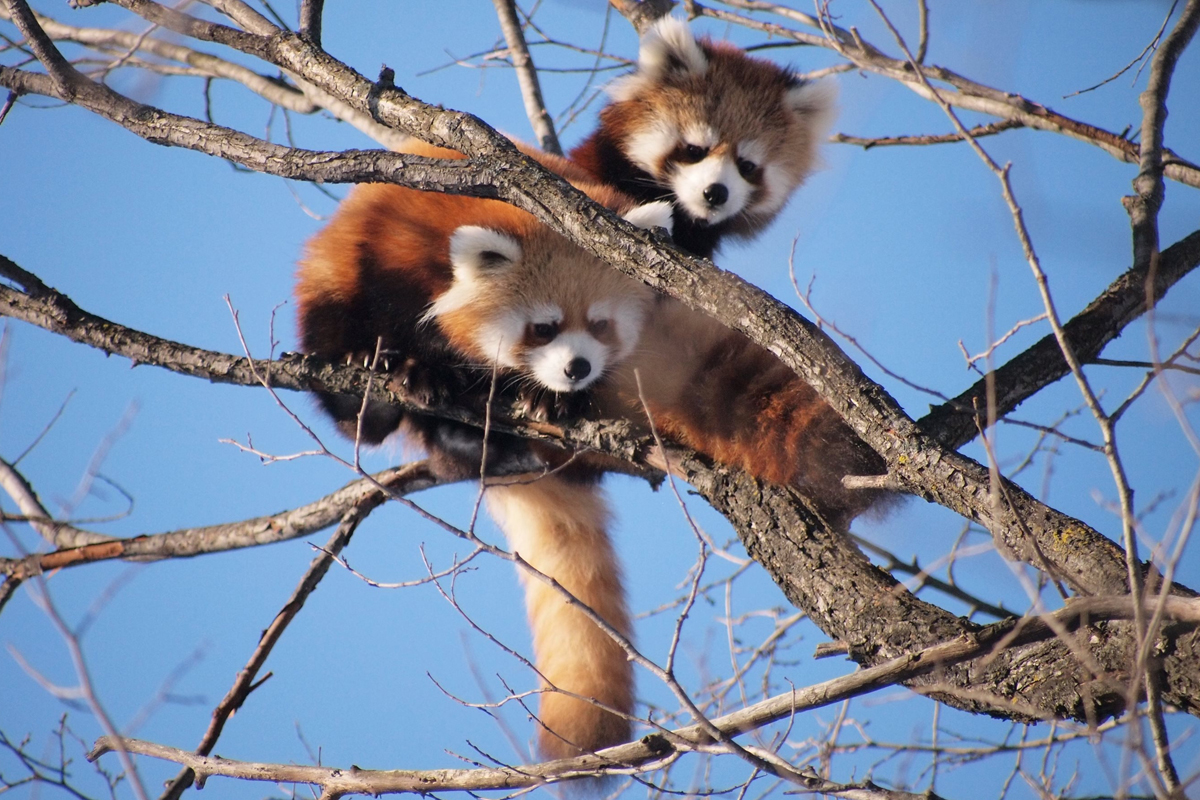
454 286
561 528
714 390
753 128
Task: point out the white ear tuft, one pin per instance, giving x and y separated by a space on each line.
652 215
474 250
816 103
669 47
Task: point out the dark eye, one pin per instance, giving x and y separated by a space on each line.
746 167
694 152
597 327
544 331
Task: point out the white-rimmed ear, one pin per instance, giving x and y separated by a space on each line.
669 47
658 214
475 250
815 102
475 254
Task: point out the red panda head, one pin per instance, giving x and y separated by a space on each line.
528 300
730 136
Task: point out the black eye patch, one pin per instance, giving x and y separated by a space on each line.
490 259
689 153
541 332
747 168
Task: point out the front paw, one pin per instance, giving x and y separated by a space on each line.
543 405
419 382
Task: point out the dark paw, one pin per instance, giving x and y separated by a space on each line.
418 382
543 405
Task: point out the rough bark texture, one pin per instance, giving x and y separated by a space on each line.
818 569
851 600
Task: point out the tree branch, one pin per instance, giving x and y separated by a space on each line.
527 77
966 93
646 754
245 682
953 424
85 547
1143 209
270 89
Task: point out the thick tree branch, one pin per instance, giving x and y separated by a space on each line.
954 423
646 755
812 563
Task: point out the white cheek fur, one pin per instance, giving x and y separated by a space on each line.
647 148
777 186
498 339
628 318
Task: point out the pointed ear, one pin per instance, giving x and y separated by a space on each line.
652 215
475 251
815 103
668 48
476 254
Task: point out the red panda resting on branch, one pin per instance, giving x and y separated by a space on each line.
724 137
451 287
455 286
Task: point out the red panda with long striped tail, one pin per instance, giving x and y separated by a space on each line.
725 137
452 288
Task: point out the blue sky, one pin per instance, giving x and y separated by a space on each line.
908 247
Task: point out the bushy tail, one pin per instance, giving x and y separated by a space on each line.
560 527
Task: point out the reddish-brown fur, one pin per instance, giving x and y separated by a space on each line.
372 273
739 98
719 393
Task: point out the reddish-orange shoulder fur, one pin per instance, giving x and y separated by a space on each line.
371 274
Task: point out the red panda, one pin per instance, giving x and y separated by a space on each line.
725 137
452 287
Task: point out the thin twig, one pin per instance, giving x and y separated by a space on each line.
531 90
246 678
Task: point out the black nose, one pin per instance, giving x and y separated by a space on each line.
716 194
578 369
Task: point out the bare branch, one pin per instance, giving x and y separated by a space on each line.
646 754
245 682
642 13
966 93
84 547
269 88
867 143
531 90
1143 210
310 20
1088 332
